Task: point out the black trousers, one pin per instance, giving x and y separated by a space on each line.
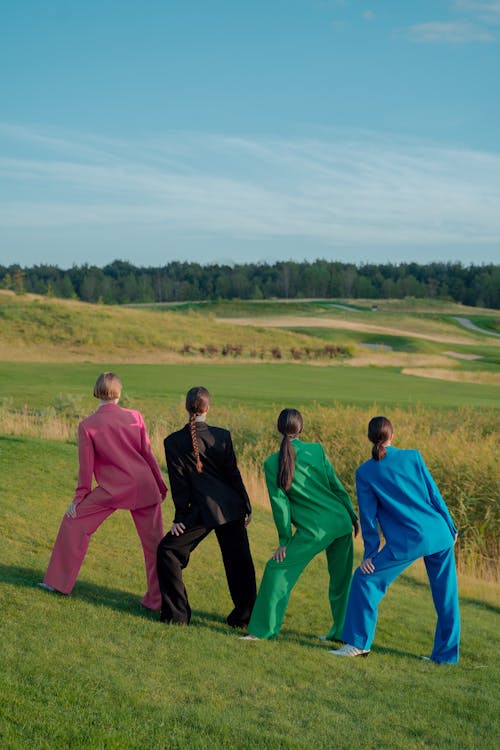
173 556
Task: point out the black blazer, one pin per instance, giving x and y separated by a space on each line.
215 496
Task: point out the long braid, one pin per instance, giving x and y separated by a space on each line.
194 439
197 402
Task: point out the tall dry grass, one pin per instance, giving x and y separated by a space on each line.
460 448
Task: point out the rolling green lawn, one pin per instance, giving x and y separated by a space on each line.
240 385
94 670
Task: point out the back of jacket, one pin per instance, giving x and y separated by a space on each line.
214 496
113 445
317 503
399 493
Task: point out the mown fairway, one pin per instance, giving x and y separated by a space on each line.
242 385
96 671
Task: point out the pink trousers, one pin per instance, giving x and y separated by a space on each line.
73 540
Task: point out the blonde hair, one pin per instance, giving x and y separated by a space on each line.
108 386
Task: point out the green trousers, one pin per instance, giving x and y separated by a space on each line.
280 577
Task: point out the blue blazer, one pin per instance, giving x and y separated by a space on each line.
399 494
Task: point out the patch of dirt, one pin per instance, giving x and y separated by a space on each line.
460 376
458 355
399 359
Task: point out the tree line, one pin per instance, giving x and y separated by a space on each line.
121 282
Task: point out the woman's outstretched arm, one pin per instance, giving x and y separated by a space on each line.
280 506
368 506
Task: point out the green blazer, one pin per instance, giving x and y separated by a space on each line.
316 504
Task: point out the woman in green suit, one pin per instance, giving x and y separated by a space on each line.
305 493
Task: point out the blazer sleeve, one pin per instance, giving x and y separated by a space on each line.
85 465
338 488
280 506
435 495
179 482
233 476
149 456
368 506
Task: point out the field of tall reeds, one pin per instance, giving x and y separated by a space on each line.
460 446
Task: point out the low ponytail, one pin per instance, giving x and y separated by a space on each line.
378 451
290 424
379 433
286 466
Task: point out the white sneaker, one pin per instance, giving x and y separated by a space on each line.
46 586
248 637
348 650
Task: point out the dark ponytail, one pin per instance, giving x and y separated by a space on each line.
379 432
197 401
290 424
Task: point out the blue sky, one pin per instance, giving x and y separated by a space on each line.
227 131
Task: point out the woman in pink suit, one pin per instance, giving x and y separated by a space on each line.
113 445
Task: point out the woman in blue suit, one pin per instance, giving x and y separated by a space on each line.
397 492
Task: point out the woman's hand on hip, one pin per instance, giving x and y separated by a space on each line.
248 519
177 529
367 566
280 554
71 510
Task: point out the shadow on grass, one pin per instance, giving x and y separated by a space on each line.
124 601
116 599
291 637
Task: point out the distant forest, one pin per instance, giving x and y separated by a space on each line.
121 282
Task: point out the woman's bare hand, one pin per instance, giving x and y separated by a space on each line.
280 554
177 529
71 511
367 566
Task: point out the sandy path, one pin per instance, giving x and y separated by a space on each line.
346 325
466 323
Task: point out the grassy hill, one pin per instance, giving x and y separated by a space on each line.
34 328
94 670
422 335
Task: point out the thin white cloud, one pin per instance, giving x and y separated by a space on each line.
450 32
356 191
477 22
487 12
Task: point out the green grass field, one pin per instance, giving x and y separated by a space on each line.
96 671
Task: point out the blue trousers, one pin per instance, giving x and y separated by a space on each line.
368 590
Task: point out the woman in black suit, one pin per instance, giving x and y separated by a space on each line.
208 493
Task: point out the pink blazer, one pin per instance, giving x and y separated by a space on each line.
113 445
